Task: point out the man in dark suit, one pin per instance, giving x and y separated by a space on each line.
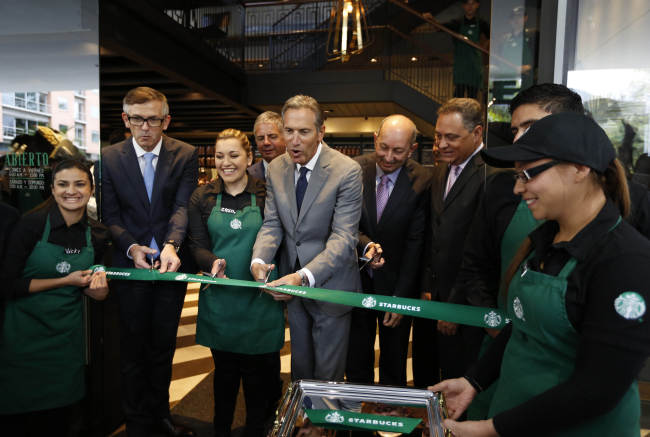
147 181
391 233
312 211
269 141
455 191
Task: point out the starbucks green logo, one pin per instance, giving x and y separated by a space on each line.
235 224
63 267
630 305
492 319
369 302
181 277
99 269
518 308
334 418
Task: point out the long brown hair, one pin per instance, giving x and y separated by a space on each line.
614 183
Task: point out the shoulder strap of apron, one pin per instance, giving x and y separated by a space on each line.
46 230
521 254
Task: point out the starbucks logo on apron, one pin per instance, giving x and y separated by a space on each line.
63 267
518 308
630 305
181 277
235 223
369 302
492 319
334 418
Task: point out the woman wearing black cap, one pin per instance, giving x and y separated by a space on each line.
567 364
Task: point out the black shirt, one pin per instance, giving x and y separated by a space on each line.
203 200
29 230
612 349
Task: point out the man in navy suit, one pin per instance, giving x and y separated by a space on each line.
391 230
269 141
147 181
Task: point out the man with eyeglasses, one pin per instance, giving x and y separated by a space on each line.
147 181
503 220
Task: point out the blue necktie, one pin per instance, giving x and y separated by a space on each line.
149 173
301 187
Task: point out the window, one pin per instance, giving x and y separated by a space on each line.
63 128
63 103
79 110
95 137
79 135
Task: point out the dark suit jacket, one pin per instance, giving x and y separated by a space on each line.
449 225
400 230
126 209
257 170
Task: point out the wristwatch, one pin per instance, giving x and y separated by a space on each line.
174 243
304 280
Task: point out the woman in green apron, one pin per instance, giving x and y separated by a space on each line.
576 296
244 328
42 338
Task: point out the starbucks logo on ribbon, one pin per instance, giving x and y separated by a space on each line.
181 277
99 269
630 305
369 302
334 418
63 267
235 223
518 309
492 319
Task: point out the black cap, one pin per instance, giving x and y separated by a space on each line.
567 136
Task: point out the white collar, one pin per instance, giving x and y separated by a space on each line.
464 163
139 151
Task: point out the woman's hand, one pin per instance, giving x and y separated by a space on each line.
98 288
481 428
458 392
219 268
80 278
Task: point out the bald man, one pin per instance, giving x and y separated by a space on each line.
391 232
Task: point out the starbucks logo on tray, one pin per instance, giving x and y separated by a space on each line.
369 302
334 418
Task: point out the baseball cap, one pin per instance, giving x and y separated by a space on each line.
567 136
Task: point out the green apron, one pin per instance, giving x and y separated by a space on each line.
468 67
521 224
42 344
234 319
541 353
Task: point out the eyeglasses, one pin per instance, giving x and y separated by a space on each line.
136 120
526 175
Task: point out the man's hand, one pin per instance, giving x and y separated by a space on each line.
260 271
392 320
447 328
374 252
219 268
169 260
98 288
290 279
142 256
79 278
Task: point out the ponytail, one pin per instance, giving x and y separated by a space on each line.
614 183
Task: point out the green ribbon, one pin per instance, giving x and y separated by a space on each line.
461 314
339 419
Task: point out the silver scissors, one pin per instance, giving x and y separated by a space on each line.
365 262
211 275
266 279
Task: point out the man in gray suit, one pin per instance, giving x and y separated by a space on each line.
269 140
313 206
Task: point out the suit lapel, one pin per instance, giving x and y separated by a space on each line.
463 178
289 186
133 173
438 187
165 159
316 181
369 194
